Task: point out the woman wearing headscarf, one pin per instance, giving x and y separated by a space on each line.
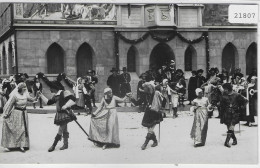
78 92
252 105
15 132
167 94
104 129
63 100
201 106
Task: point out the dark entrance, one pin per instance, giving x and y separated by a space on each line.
4 60
131 59
190 59
10 59
161 54
230 58
55 59
84 59
251 58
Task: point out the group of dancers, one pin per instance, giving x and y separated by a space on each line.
157 92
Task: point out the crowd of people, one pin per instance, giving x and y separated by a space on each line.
233 95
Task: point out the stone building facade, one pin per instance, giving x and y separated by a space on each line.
32 43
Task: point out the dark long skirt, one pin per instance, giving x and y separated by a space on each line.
151 118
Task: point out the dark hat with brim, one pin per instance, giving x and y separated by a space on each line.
194 72
113 70
179 70
143 75
200 71
56 85
212 69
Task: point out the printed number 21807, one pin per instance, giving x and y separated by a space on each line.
244 15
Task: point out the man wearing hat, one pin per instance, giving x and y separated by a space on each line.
92 80
172 66
113 82
125 82
63 100
192 86
200 79
140 92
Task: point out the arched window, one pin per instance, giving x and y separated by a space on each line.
55 59
4 60
251 58
10 59
230 58
131 59
84 59
190 59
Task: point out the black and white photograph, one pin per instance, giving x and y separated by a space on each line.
90 82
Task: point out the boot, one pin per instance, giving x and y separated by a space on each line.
175 112
227 139
155 142
65 141
57 138
40 100
234 138
148 138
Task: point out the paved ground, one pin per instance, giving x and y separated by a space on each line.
175 147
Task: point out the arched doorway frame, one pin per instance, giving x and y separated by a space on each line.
156 61
192 59
228 63
251 62
58 61
83 46
132 63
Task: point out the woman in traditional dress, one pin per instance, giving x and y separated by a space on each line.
166 93
252 106
192 86
63 100
201 106
230 105
15 133
78 91
104 129
2 97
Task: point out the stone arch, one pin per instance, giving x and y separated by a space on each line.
251 58
84 59
161 54
230 59
55 59
190 59
132 55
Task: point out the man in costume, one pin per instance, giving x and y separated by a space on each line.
94 82
113 82
63 100
37 86
200 79
125 82
230 105
192 86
